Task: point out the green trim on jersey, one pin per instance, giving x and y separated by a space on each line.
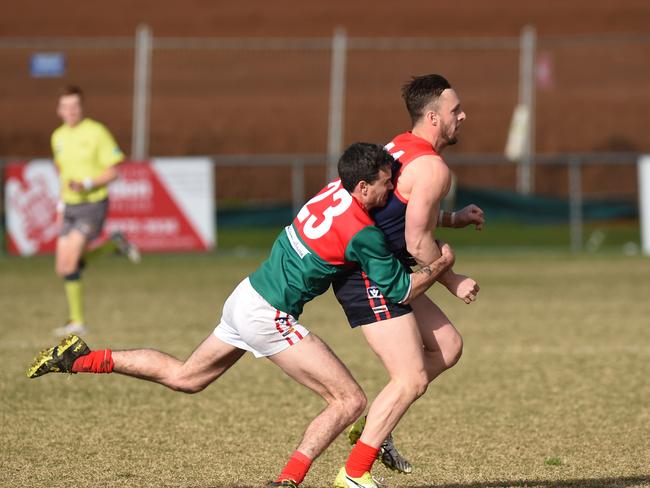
293 274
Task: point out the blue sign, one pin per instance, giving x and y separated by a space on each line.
47 65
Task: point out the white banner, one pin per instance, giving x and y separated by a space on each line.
644 202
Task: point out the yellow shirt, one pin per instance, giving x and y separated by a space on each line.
84 151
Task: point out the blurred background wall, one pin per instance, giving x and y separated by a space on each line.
253 78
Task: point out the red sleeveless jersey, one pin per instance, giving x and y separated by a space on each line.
391 218
405 148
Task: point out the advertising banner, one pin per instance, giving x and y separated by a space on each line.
165 204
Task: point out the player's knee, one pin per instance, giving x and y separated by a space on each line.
414 386
357 405
454 350
188 387
68 274
353 403
63 269
68 270
185 385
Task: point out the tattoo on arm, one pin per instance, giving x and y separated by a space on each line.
426 270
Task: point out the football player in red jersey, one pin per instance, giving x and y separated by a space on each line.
416 342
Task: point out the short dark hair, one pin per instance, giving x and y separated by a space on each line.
421 91
362 161
71 90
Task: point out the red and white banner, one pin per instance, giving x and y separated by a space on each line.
166 204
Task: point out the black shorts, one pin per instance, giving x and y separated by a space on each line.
87 218
362 301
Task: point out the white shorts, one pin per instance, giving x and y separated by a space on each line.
249 322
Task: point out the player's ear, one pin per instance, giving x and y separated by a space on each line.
362 187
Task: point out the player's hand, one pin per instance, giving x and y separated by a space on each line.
463 287
446 253
472 214
77 186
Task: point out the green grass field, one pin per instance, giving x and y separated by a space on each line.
553 389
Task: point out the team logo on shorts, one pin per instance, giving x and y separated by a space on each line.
287 332
85 228
373 292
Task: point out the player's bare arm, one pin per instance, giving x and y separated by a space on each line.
422 279
424 183
429 179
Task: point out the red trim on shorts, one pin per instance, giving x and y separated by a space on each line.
381 299
387 312
279 328
371 301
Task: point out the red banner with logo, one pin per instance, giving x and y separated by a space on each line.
163 204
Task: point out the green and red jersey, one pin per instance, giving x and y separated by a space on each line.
331 233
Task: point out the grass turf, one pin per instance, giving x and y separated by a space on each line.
552 389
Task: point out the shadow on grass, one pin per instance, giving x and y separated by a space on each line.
573 483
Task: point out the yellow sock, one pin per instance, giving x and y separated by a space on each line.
109 246
73 291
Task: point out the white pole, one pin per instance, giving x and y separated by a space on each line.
644 202
141 89
575 204
525 176
337 101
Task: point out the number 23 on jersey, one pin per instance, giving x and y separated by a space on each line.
317 216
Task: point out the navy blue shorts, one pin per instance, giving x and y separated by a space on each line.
362 301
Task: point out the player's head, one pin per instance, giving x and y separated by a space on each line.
433 103
70 106
365 172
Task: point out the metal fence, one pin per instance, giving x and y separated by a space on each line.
588 98
242 180
193 96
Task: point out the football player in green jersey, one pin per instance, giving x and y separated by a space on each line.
332 232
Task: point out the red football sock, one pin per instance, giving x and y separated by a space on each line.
361 459
94 362
296 469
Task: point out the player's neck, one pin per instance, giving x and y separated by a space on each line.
73 124
358 198
430 135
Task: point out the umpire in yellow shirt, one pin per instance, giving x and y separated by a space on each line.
86 156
